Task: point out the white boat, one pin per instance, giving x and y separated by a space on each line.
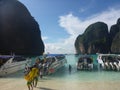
55 62
109 61
85 62
11 64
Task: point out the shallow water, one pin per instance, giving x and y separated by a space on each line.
83 76
80 76
63 80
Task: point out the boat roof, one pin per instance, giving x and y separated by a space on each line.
8 56
52 55
108 54
57 56
85 56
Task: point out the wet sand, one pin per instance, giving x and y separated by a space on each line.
55 84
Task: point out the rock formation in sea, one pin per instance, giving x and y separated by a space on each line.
19 31
94 40
98 39
115 37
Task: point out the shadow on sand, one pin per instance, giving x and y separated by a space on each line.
43 88
18 74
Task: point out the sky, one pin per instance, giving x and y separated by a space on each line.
61 21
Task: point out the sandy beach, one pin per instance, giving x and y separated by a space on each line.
49 84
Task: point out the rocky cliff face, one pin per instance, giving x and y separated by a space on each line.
115 37
97 39
19 32
94 39
115 47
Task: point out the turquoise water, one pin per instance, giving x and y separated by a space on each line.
84 76
78 76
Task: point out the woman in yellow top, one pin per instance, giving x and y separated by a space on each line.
32 77
36 74
29 79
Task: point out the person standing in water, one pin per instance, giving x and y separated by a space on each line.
70 68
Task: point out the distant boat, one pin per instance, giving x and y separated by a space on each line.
56 61
109 61
10 64
85 62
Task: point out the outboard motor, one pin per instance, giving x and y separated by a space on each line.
116 63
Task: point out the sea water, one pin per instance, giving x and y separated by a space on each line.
84 76
63 80
76 76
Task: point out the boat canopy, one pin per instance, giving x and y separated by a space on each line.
58 56
55 55
5 58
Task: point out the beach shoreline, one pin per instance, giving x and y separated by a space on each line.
49 84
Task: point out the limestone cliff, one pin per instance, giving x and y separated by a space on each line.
115 37
95 39
19 32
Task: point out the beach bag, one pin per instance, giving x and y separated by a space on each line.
27 77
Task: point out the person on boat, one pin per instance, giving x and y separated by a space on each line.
45 68
85 64
80 63
41 73
90 63
100 62
37 62
27 69
1 62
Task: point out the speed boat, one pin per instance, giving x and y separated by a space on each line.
109 61
55 62
85 62
10 64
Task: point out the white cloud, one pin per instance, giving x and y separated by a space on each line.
74 26
70 23
63 46
44 37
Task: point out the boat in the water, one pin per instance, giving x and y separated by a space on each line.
109 61
12 63
85 62
56 61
